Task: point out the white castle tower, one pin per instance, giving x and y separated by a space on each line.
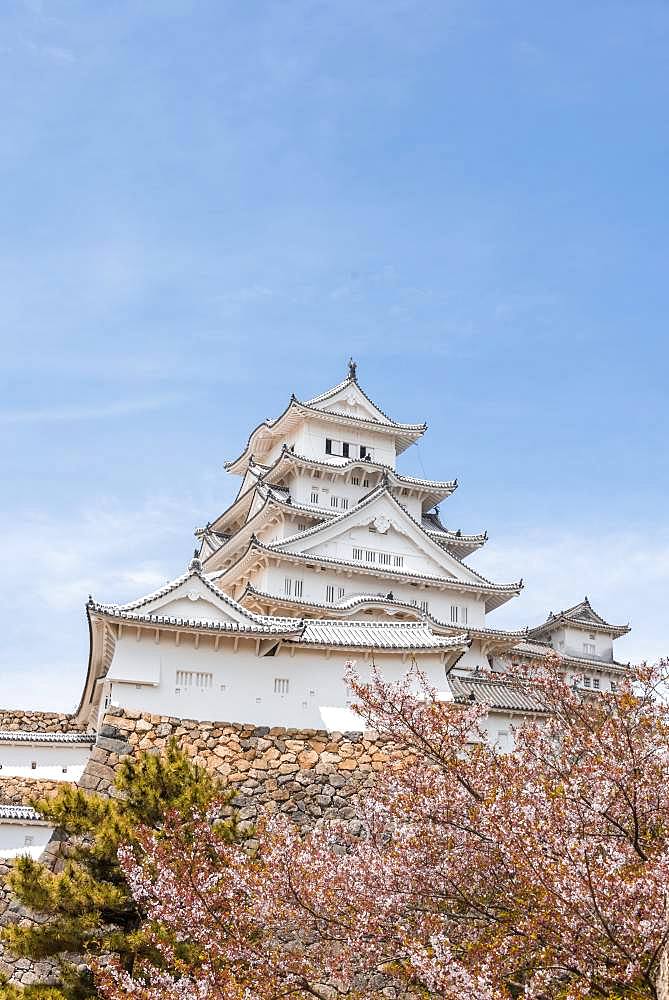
329 554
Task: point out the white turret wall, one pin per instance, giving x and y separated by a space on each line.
206 683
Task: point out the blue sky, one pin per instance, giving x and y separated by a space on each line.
208 205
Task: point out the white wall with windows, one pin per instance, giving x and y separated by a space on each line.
345 443
306 583
578 642
293 687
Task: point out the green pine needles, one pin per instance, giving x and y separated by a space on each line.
85 908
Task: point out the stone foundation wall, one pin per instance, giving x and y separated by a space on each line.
21 791
38 722
21 971
306 773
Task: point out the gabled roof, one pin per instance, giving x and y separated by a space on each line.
496 594
509 696
239 620
581 616
296 411
351 392
428 545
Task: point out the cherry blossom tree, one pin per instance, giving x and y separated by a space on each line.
539 873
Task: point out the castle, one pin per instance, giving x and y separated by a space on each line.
328 555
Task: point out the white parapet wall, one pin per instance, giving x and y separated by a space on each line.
50 756
22 832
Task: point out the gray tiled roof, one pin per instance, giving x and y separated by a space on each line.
25 736
378 635
534 648
10 812
500 694
581 615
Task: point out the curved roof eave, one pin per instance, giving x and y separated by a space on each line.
497 593
407 432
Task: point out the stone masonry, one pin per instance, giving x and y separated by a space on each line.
38 722
306 773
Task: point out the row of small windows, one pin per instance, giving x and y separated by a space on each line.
196 680
193 680
346 449
374 556
335 501
595 684
333 593
357 481
589 648
292 586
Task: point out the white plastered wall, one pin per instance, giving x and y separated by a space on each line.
242 686
53 761
22 837
315 587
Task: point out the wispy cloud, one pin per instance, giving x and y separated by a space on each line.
51 566
104 411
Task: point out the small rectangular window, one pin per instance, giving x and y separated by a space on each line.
298 588
28 840
193 679
281 685
365 451
329 593
355 480
454 612
357 553
334 501
614 686
464 615
399 560
345 447
365 482
596 683
587 682
340 592
425 606
370 555
328 446
344 503
287 586
589 648
384 558
314 496
33 765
